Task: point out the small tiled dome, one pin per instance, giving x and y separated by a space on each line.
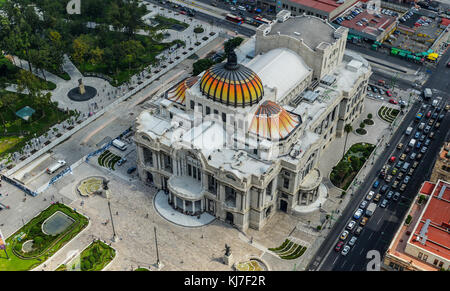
273 122
232 83
178 93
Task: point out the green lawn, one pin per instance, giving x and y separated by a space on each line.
22 131
388 114
94 258
347 168
20 261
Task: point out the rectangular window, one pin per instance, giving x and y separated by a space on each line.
224 117
194 172
189 170
212 184
425 257
420 255
436 261
199 174
208 110
192 105
286 183
441 264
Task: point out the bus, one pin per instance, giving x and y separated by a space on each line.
262 20
234 18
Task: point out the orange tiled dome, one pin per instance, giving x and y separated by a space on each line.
232 84
273 122
178 93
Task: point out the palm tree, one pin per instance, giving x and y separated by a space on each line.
347 128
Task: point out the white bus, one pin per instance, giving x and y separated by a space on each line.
119 144
53 168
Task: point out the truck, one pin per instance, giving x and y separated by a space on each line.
53 168
412 142
409 130
436 101
427 94
371 209
119 144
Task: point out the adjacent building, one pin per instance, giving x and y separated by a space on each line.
243 139
441 170
422 243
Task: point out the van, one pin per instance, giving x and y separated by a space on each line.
53 168
242 8
405 167
119 144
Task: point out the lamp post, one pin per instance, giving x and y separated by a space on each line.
158 263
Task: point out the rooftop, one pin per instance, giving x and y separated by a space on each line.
437 212
373 24
323 5
316 32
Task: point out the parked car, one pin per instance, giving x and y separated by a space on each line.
344 235
423 149
358 213
384 203
392 159
358 230
402 187
375 184
427 129
377 197
364 221
427 142
394 171
393 101
396 196
411 171
415 164
388 178
370 195
431 135
384 189
352 241
399 176
338 246
419 156
351 225
363 204
403 157
406 180
345 250
389 195
437 125
395 184
131 170
399 146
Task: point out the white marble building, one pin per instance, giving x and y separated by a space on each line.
242 140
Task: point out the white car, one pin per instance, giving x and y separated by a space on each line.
358 213
351 225
345 250
370 195
232 8
363 204
352 241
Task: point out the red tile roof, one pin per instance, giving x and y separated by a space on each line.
445 21
374 23
438 212
324 5
427 188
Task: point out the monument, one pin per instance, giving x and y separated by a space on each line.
228 257
82 92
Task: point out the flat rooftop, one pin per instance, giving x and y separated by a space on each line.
312 30
437 211
372 25
323 5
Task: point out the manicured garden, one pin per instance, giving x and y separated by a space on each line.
108 159
345 171
289 250
42 244
388 114
94 258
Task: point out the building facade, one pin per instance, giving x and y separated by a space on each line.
242 140
441 170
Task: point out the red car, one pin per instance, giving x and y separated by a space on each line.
388 93
428 114
392 101
339 246
392 159
183 12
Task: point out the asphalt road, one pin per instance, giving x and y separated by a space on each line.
221 22
381 227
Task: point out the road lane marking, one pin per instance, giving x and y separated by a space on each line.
361 251
370 235
334 262
352 267
343 264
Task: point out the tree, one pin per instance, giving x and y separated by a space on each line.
201 65
81 46
26 80
231 44
362 125
369 116
347 128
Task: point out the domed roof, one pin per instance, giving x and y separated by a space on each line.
273 122
232 83
178 92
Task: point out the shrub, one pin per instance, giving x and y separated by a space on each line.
408 219
362 125
199 29
319 227
369 116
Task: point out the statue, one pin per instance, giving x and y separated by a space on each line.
228 257
227 250
81 88
105 184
